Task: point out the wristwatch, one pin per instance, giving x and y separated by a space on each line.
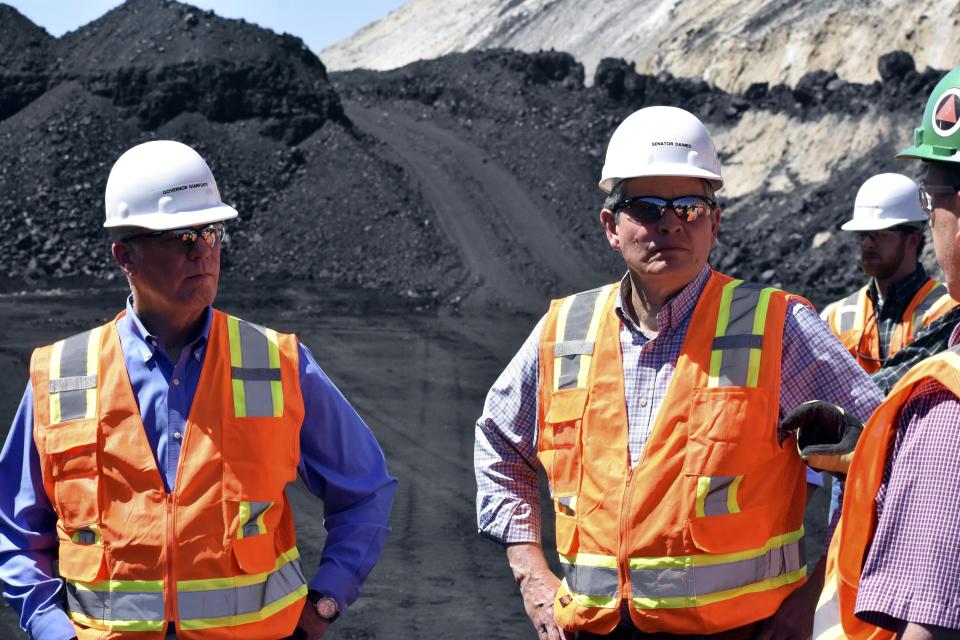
327 608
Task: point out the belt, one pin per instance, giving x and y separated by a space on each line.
624 632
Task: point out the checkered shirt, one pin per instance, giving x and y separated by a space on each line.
912 572
815 366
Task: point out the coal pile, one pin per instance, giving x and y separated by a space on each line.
317 203
468 177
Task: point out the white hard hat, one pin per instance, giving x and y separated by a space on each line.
660 141
884 201
163 185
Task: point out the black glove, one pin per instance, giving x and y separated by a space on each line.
826 435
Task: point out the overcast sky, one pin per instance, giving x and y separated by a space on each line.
318 22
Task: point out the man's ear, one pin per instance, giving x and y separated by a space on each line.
715 225
123 256
608 219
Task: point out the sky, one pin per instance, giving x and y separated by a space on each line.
318 22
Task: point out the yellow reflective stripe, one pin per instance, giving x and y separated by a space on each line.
261 525
681 602
723 319
733 505
193 624
236 360
594 327
703 488
590 560
705 560
561 330
236 354
118 625
123 586
55 354
244 516
596 602
859 320
276 387
238 581
93 364
91 527
759 324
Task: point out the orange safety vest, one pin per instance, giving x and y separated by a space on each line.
854 322
848 550
218 556
705 534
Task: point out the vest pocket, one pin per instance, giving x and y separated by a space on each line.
561 446
256 554
728 433
80 562
260 457
71 448
731 532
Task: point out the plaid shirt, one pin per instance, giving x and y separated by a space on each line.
814 364
889 313
912 572
930 340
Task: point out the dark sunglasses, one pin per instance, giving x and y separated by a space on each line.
212 234
649 209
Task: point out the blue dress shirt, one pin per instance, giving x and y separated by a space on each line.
340 462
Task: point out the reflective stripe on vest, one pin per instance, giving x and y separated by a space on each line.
936 296
850 311
577 324
251 519
687 581
738 341
137 605
717 495
255 362
73 377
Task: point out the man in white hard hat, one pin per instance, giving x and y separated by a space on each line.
900 300
652 405
149 456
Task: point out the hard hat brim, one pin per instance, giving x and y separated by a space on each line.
878 224
164 221
664 170
928 152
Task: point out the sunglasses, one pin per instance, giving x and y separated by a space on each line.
212 234
649 209
927 191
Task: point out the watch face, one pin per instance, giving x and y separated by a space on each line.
327 608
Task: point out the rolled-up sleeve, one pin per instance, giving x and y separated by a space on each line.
912 570
505 460
342 463
28 538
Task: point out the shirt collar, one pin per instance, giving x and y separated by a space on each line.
147 344
677 309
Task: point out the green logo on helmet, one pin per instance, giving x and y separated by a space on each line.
946 113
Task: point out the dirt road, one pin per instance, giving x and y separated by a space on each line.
507 237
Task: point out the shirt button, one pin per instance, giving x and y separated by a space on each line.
176 381
153 342
643 402
176 435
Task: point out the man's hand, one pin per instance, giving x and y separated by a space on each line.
311 626
538 586
794 619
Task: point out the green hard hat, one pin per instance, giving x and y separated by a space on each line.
938 136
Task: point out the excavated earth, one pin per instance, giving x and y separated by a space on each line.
409 225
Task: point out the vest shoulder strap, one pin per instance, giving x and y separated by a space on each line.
71 374
573 323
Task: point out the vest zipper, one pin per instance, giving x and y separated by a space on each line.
170 602
622 558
